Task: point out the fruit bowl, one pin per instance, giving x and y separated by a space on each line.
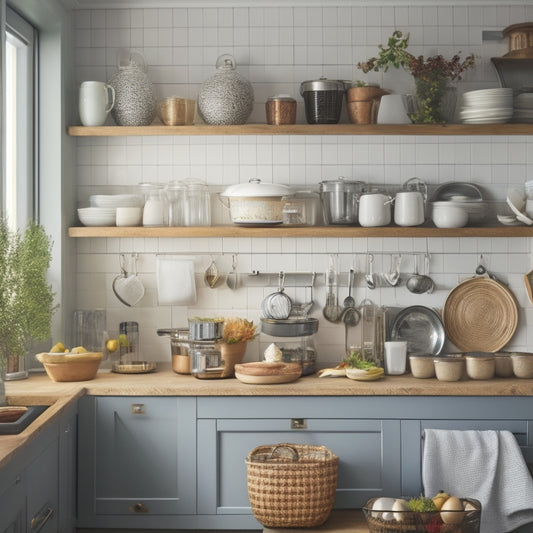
386 520
70 366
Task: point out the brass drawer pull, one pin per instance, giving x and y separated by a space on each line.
298 423
138 409
139 508
40 520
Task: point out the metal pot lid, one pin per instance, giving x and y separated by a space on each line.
256 188
281 97
290 327
323 84
341 185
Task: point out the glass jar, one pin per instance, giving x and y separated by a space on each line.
128 340
175 192
155 209
197 204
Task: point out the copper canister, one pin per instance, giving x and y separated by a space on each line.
281 109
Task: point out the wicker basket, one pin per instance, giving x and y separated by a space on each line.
413 522
291 485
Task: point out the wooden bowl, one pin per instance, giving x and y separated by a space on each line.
70 367
263 372
11 413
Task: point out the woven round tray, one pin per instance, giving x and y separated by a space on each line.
480 315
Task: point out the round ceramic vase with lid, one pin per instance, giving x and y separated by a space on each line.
135 103
227 97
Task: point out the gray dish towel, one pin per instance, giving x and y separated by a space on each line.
485 465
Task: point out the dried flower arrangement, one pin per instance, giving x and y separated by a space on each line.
238 330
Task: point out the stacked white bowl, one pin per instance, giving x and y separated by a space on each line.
487 106
103 210
523 108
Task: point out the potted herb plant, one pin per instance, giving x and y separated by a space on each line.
26 298
361 100
432 76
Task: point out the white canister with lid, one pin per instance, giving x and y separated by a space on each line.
255 202
374 209
155 209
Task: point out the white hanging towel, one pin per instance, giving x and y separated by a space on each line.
175 280
485 465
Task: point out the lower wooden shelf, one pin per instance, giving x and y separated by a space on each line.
299 231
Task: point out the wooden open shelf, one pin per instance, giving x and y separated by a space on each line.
306 129
301 231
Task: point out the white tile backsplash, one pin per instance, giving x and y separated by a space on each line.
277 48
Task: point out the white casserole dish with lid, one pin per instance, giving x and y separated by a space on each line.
255 202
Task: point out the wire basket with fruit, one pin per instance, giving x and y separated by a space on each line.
440 514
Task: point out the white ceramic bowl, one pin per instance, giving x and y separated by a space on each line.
522 364
448 215
129 216
97 216
116 200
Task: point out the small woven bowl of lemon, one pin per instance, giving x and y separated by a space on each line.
360 369
70 365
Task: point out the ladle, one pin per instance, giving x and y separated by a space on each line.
419 283
350 314
232 279
369 277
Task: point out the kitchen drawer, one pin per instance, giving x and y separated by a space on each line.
136 458
368 450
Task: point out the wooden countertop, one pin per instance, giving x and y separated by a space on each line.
38 389
165 382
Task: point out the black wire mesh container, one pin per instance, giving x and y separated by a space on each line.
323 100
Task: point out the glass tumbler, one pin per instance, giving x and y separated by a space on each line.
175 192
197 204
128 340
89 329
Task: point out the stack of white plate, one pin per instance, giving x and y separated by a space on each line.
487 106
523 108
97 216
116 200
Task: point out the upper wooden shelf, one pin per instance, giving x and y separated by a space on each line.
301 231
306 129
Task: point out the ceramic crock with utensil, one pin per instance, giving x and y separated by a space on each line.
340 199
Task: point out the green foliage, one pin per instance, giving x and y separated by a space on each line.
26 299
394 55
421 504
354 360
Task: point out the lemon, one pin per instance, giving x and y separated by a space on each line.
59 347
79 349
112 345
123 339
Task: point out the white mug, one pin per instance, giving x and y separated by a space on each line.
96 101
409 208
393 109
374 210
395 357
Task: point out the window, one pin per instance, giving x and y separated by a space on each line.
18 198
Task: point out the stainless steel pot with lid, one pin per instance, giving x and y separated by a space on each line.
323 100
340 200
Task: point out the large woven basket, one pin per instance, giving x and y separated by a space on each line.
291 485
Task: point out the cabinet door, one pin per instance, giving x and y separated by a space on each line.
13 508
137 456
368 450
41 480
67 472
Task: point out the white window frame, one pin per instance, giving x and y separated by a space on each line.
19 200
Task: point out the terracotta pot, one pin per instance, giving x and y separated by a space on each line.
362 104
232 354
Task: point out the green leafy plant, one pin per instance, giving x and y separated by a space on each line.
26 298
432 75
354 360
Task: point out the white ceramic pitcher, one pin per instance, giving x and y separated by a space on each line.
96 101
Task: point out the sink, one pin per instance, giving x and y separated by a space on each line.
19 425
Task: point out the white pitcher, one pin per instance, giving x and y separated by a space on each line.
409 208
96 101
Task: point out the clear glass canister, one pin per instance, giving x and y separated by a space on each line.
303 208
155 208
197 204
128 341
281 109
176 192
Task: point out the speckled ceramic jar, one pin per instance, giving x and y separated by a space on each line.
135 103
227 97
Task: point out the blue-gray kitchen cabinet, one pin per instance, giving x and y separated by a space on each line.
137 461
12 504
229 428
